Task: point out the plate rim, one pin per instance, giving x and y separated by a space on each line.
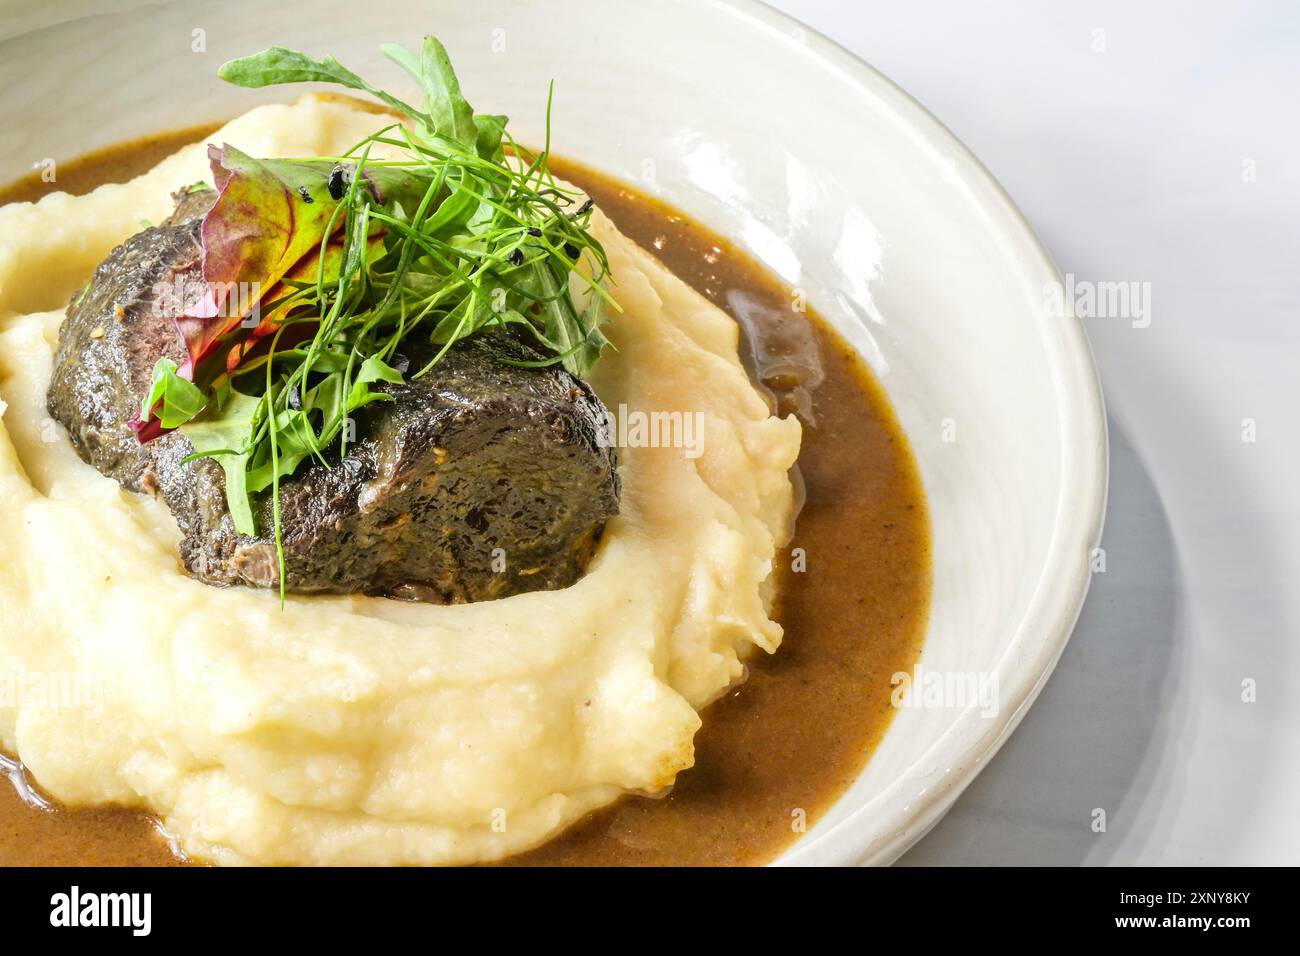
1062 585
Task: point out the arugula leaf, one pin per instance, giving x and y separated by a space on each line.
223 436
276 65
576 336
449 114
181 399
491 131
373 369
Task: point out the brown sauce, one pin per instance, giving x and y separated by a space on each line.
784 745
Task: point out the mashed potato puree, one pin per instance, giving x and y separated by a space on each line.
356 730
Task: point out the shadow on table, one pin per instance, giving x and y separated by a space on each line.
1082 745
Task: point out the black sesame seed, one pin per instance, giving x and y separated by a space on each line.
571 250
306 196
337 183
399 363
517 257
585 206
534 232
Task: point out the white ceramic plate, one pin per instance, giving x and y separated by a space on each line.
825 171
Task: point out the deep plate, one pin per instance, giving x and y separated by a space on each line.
820 167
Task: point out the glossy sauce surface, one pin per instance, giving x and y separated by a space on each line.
775 752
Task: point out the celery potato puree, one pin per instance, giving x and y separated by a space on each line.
359 730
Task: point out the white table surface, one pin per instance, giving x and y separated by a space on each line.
1133 163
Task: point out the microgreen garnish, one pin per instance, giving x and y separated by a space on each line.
465 233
